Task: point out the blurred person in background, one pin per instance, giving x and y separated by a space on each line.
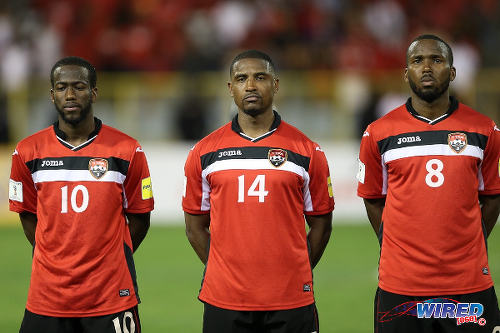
249 186
429 177
83 193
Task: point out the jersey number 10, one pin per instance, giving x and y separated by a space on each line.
74 194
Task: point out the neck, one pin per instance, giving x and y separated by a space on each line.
432 110
255 126
79 133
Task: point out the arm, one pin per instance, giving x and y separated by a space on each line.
138 225
198 234
374 209
29 221
490 209
320 228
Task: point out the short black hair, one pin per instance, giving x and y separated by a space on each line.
253 54
430 36
78 62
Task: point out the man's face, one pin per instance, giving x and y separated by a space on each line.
253 86
71 94
428 71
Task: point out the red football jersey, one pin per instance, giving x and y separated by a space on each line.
431 173
257 192
82 260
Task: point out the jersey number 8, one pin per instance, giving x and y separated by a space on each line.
434 177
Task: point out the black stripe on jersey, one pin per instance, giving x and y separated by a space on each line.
411 139
241 153
75 163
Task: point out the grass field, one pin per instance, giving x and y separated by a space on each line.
169 275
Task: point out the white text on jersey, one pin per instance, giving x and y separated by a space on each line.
409 139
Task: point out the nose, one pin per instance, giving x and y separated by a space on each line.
70 93
427 65
250 84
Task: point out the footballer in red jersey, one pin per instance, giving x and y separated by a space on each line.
249 185
429 176
83 193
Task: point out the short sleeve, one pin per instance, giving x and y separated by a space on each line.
370 174
22 191
138 186
195 199
490 167
320 198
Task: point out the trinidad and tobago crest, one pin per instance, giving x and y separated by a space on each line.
277 156
457 141
98 167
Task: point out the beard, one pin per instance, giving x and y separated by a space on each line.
429 94
253 111
75 121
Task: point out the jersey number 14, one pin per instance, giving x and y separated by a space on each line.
257 189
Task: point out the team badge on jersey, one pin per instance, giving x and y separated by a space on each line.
457 142
98 167
277 157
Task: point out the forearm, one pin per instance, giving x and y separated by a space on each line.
138 226
199 239
198 234
320 229
374 210
29 222
490 209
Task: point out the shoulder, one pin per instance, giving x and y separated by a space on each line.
33 141
293 133
114 134
212 140
469 115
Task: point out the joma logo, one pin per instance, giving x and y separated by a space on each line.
51 163
229 153
407 139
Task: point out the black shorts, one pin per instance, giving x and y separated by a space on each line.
120 322
399 313
299 320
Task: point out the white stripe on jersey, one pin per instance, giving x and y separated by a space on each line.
75 176
253 164
429 150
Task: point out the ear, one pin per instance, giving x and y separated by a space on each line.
93 91
230 88
453 73
276 85
52 95
406 74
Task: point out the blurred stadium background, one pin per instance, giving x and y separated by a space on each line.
162 72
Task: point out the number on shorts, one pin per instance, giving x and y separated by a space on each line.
126 315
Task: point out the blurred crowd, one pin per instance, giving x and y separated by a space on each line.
191 35
359 36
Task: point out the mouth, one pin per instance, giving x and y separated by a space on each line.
71 107
252 98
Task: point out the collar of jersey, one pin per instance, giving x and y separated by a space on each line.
62 137
274 126
451 109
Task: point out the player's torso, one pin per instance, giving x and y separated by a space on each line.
432 174
81 232
258 192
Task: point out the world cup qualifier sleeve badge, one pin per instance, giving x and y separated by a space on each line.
457 141
98 167
277 157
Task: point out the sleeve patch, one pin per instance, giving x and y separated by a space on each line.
15 191
361 172
147 189
330 187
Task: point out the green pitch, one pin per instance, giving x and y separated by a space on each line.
169 275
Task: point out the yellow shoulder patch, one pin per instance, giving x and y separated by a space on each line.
147 189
